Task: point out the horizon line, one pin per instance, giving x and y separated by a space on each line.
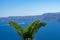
32 15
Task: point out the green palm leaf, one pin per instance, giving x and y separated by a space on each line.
17 27
37 27
31 26
34 27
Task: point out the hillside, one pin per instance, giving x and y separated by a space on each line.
44 17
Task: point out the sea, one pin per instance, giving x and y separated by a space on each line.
50 32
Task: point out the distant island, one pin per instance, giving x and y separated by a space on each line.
45 17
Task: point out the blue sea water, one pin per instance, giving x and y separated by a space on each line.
50 32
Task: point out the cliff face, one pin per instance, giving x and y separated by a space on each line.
51 17
44 17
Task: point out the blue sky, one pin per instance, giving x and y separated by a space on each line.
28 7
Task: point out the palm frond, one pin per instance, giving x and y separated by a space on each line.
27 31
37 27
31 26
17 27
34 27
